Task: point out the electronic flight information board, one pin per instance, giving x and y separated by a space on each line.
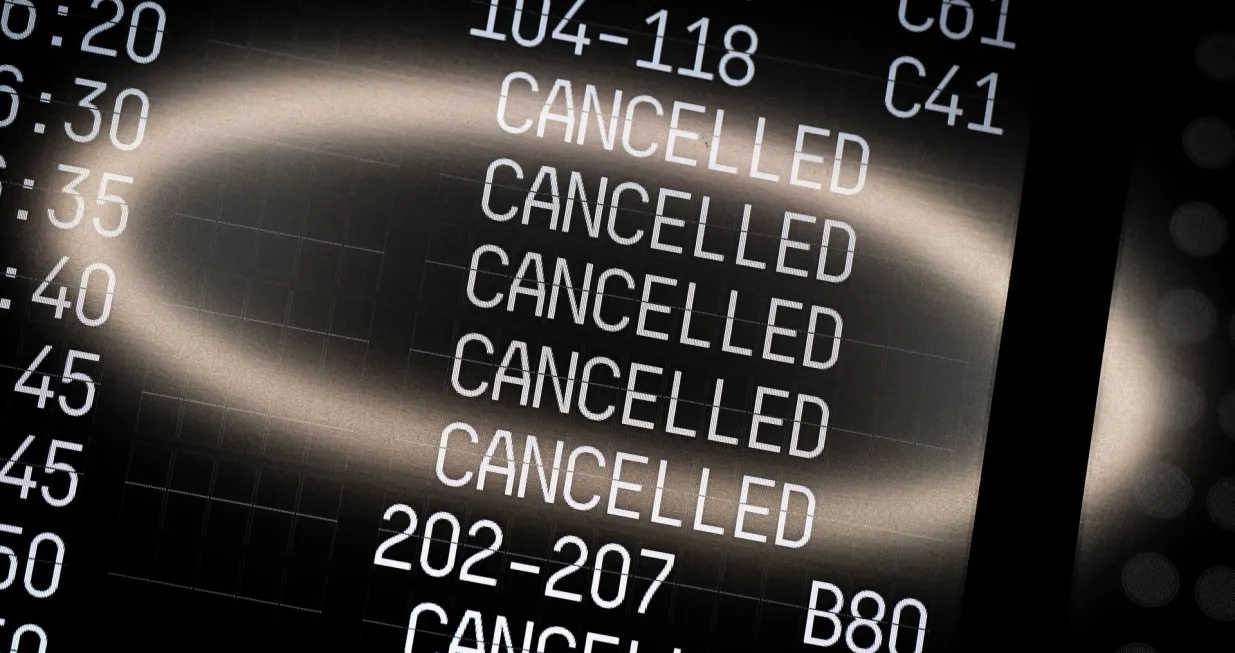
502 325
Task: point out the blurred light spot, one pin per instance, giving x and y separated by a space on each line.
1209 142
1215 593
1163 491
1215 56
343 105
1182 403
1221 504
1198 229
1187 316
1150 580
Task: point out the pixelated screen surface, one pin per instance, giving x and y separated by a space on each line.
502 325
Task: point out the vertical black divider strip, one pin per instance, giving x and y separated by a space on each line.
1033 477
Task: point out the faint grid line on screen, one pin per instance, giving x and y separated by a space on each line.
20 183
213 592
245 504
676 308
248 297
324 62
691 402
67 285
266 141
381 267
49 561
723 567
437 447
96 384
279 233
469 640
42 466
257 321
334 305
246 411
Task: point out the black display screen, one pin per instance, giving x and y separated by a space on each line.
502 325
